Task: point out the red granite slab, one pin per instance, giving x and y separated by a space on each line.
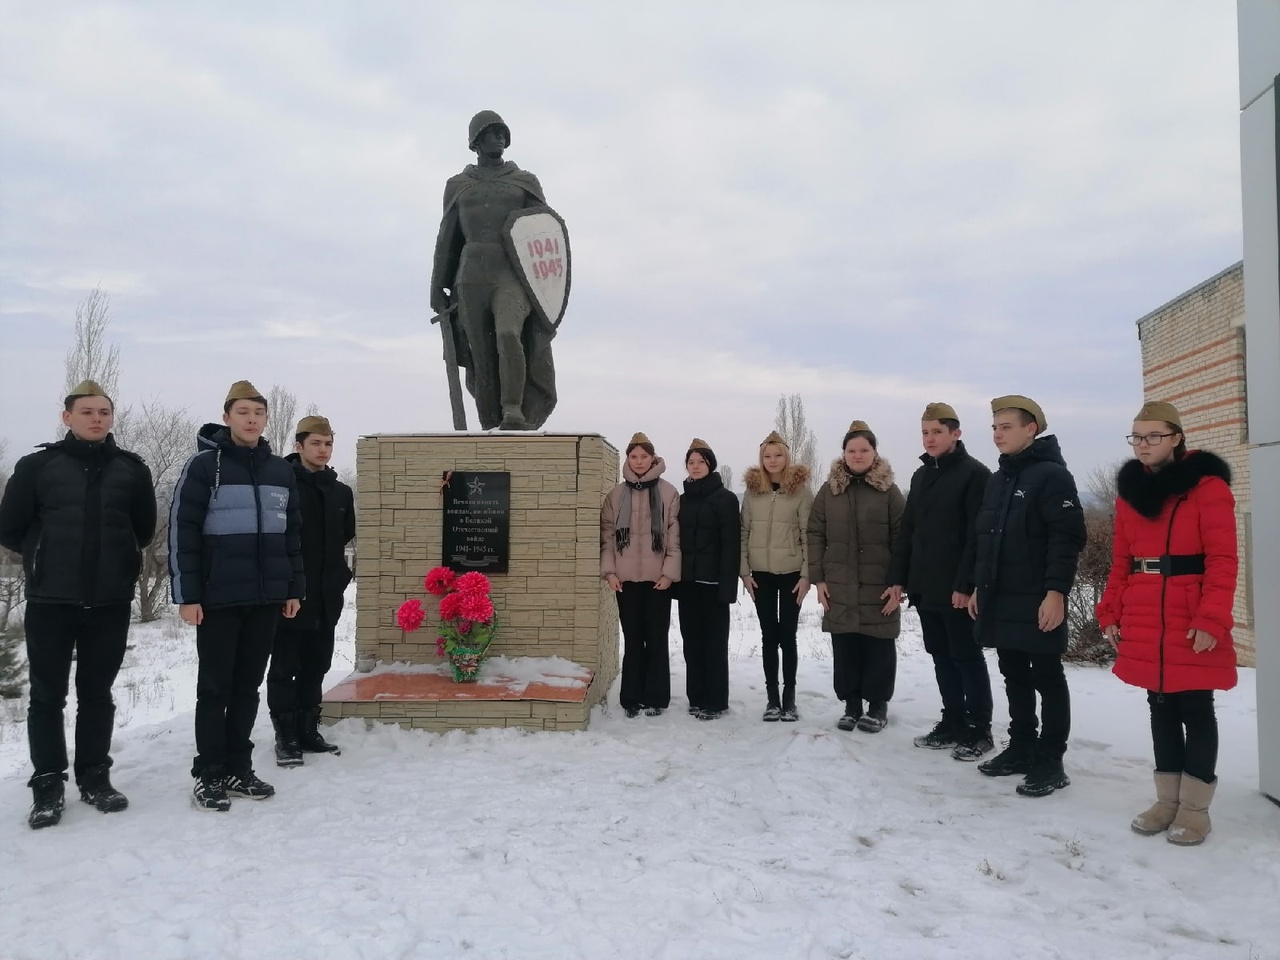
389 685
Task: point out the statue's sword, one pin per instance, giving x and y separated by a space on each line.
446 320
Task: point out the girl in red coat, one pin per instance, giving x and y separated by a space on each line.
1167 610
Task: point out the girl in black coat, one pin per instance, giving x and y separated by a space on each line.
710 539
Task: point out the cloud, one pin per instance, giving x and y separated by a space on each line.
871 205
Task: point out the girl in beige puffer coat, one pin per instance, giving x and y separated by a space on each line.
774 568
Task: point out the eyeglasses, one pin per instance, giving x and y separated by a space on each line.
1150 439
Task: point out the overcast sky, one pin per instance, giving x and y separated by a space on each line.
872 204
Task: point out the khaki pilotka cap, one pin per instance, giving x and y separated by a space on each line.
244 390
696 444
775 437
859 426
88 388
939 411
638 439
1021 403
1159 410
314 424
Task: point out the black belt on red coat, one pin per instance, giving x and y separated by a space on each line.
1169 565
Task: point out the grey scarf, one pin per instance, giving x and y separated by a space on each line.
622 530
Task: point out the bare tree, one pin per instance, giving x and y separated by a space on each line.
313 410
726 475
282 409
12 595
790 421
164 437
91 357
347 475
1099 501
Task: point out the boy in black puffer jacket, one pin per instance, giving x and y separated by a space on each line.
303 649
79 511
933 566
1030 533
235 560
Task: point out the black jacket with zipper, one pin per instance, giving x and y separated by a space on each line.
328 525
933 555
80 514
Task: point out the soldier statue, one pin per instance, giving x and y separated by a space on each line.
491 327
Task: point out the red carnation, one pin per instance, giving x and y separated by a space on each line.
473 582
451 606
439 581
410 615
440 642
476 606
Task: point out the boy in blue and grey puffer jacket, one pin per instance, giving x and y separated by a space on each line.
235 559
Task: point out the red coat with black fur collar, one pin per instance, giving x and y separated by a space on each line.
1184 508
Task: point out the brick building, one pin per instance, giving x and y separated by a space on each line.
1193 355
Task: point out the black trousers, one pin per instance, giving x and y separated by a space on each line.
779 618
299 661
645 615
704 627
865 668
233 645
1184 732
1025 675
958 665
97 636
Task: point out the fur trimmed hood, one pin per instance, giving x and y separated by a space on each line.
793 478
879 477
1146 491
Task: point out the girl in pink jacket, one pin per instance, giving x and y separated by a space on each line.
640 560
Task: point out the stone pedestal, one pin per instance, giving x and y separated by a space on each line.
550 603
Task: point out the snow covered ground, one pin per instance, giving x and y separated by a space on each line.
647 838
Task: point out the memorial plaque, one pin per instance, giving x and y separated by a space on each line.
477 521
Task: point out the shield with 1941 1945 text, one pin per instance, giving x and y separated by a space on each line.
538 245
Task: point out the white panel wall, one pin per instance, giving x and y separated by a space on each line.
1259 28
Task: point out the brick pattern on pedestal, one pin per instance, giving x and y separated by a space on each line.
1193 356
551 603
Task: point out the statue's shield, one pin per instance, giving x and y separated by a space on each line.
538 245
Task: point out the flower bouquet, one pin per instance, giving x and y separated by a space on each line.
467 619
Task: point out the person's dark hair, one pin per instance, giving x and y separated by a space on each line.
870 438
301 437
1025 418
646 447
226 407
69 403
952 425
1180 450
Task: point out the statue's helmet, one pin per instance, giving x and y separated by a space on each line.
482 121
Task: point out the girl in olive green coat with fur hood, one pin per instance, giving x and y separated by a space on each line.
852 527
775 560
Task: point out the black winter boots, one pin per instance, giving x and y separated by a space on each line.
773 709
309 738
288 752
788 714
1045 776
1016 758
48 800
945 733
876 717
97 791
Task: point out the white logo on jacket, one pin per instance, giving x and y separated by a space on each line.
1020 493
282 499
